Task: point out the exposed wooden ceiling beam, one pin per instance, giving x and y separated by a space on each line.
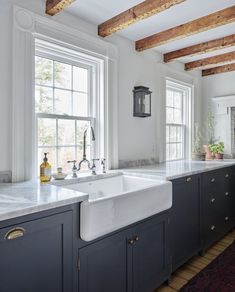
209 62
55 6
204 23
141 11
218 70
202 48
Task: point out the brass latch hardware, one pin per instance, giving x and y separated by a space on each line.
14 233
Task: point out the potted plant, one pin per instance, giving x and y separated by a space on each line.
210 136
197 144
217 150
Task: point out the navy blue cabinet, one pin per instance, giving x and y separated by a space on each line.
36 256
132 260
184 227
218 204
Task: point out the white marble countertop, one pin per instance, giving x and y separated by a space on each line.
176 169
30 197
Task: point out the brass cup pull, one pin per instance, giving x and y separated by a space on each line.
212 200
226 218
213 180
131 241
212 227
226 194
14 233
188 179
226 175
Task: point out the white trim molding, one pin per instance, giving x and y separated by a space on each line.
26 27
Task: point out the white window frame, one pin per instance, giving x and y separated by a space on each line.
27 26
62 54
187 116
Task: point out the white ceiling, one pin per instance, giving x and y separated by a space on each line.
97 11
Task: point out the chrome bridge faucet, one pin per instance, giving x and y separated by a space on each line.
85 160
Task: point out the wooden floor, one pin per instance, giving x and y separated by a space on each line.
196 264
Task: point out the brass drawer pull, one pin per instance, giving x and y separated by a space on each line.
131 241
226 175
226 218
14 233
226 194
213 179
188 179
212 200
136 238
212 227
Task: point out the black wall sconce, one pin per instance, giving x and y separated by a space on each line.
142 102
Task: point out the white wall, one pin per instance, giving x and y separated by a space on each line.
138 138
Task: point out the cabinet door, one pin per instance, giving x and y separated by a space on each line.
150 257
103 265
36 256
184 220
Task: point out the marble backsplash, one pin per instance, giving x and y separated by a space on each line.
135 163
5 176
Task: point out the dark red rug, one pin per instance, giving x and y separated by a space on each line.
218 276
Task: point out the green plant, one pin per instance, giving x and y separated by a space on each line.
197 139
217 148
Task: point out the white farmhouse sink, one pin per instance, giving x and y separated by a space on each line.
118 201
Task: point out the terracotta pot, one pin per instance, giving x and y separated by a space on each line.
219 156
209 154
198 156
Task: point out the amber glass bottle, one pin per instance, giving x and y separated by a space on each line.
45 170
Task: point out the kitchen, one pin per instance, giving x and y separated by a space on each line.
133 106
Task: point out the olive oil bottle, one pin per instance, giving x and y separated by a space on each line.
45 170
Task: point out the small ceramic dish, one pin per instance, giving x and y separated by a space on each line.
59 176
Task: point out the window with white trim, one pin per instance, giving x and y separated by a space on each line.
178 121
66 104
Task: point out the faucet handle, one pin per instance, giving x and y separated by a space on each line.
93 167
74 169
104 166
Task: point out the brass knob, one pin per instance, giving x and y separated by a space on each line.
131 241
14 233
188 179
226 175
226 194
212 200
226 218
136 238
213 227
213 180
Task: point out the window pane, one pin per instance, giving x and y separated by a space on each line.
43 71
178 100
180 151
167 152
80 104
51 157
62 102
43 99
173 134
172 150
169 98
46 132
180 134
169 115
66 132
65 154
177 116
80 79
63 75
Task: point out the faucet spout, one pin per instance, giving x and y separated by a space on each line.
84 140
